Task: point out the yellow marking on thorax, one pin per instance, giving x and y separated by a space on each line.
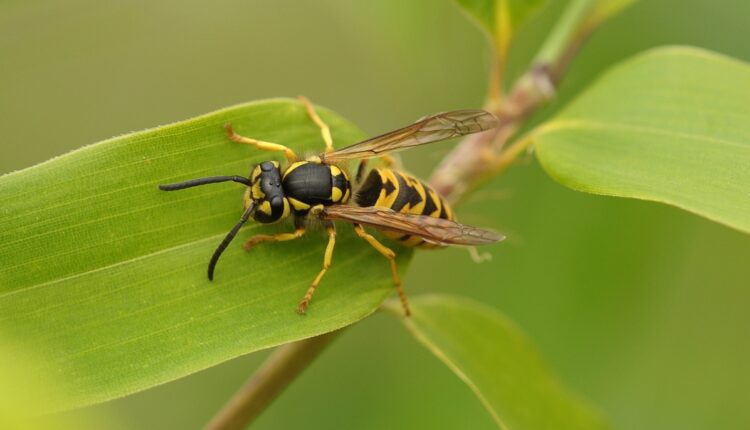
292 167
298 205
336 194
314 159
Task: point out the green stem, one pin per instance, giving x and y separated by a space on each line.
482 156
564 33
278 371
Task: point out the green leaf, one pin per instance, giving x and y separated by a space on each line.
500 18
498 362
671 125
24 391
104 275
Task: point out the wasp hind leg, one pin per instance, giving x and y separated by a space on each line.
391 256
325 132
331 230
265 146
478 257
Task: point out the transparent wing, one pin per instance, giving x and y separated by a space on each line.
427 130
434 230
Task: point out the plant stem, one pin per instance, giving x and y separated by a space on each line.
279 369
495 86
481 156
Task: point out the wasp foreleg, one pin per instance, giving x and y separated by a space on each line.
280 237
265 146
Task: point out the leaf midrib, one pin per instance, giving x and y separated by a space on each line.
120 263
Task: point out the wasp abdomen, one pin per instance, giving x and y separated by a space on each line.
307 184
405 194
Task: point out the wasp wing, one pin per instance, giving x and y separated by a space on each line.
427 130
434 230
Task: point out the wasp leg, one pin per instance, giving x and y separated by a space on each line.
265 146
479 257
325 132
326 264
280 237
391 256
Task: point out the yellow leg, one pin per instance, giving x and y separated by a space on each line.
324 130
391 256
281 237
477 257
326 264
265 146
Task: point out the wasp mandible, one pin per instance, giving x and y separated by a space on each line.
394 202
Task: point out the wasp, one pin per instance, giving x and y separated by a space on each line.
317 187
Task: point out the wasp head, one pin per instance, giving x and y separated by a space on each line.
267 192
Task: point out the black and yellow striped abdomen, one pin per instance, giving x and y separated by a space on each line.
405 194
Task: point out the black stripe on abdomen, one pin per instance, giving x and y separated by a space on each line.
407 195
429 204
369 191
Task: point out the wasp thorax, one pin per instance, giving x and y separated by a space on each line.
267 192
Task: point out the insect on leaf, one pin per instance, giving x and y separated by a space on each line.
104 276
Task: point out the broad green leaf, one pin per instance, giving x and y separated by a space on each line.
500 18
104 276
671 125
24 392
499 363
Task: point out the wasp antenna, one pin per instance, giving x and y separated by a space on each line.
203 181
227 239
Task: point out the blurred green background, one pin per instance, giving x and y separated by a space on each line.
638 306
